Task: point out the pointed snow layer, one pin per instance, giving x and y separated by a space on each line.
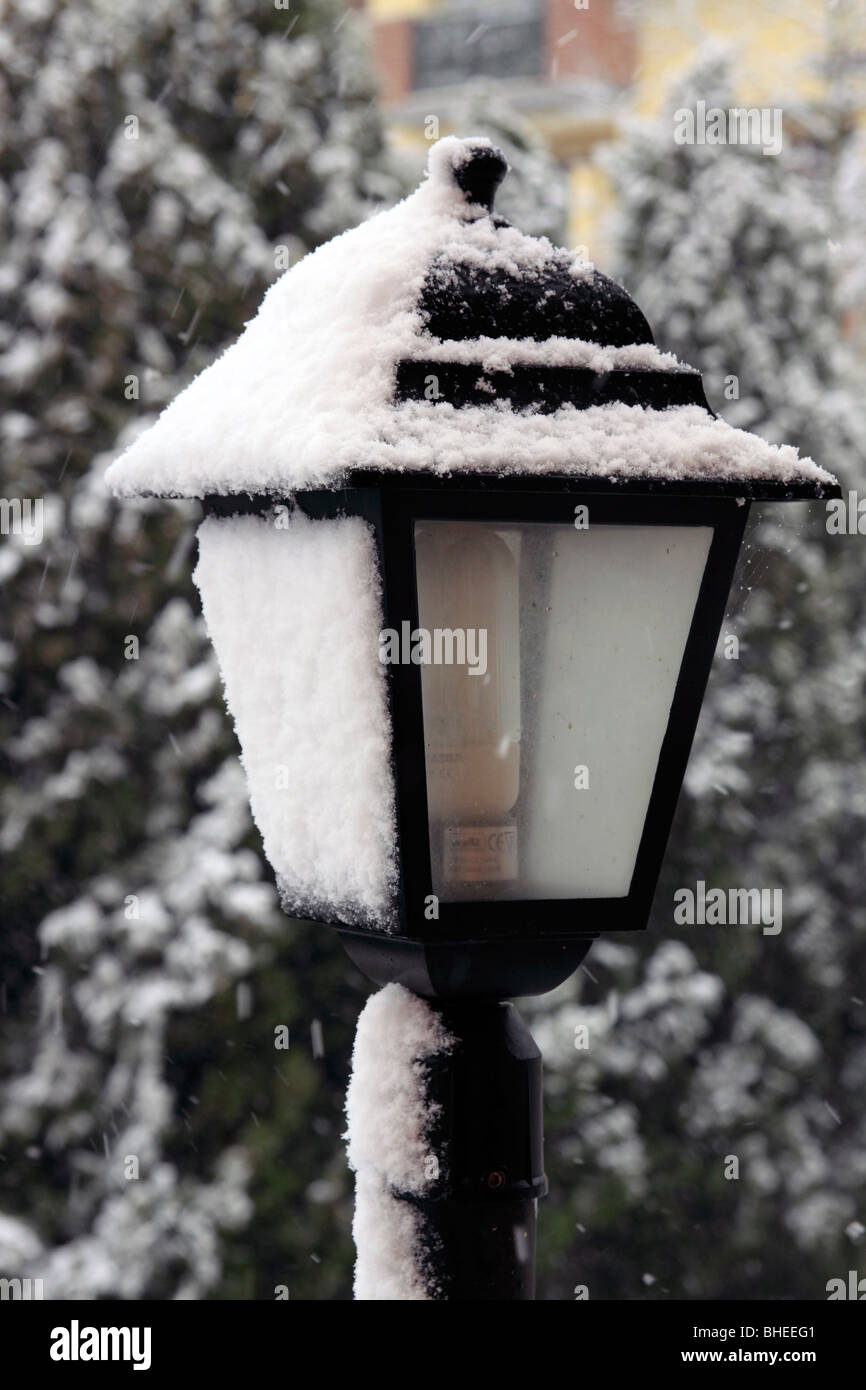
307 394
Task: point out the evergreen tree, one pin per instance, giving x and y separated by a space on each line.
163 164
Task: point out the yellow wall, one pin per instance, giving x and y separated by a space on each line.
778 48
775 51
589 202
398 9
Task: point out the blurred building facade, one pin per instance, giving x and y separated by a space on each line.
576 70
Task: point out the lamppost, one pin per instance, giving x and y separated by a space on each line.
468 542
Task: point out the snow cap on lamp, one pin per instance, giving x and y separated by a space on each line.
437 338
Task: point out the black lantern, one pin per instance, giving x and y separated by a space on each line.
551 642
468 544
547 632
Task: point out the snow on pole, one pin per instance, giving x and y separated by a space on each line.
390 1143
445 1137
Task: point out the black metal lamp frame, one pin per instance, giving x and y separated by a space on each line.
527 946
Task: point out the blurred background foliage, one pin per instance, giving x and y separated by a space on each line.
144 965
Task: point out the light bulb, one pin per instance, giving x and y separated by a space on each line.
468 612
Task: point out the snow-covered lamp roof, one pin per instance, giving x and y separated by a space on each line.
436 338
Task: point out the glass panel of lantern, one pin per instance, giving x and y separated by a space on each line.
553 655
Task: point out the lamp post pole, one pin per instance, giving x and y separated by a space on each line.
478 1224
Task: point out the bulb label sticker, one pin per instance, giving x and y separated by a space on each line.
480 853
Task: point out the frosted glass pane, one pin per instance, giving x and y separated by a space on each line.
546 697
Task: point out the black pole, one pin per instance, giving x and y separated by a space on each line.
478 1223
